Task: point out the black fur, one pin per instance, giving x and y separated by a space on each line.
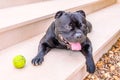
73 27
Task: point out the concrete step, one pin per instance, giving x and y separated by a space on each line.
63 64
13 3
23 22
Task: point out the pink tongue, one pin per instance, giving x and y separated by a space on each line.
75 46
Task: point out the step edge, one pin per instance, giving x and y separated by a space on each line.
14 26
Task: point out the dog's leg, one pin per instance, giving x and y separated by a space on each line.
42 50
87 52
45 45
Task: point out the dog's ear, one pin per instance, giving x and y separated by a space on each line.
58 14
89 27
82 12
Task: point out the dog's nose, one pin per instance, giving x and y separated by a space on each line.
78 35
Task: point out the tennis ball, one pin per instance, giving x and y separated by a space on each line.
19 61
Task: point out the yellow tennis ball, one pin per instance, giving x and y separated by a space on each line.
19 61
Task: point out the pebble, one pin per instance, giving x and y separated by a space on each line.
118 64
116 78
107 75
112 68
99 64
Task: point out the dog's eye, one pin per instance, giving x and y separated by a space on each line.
80 25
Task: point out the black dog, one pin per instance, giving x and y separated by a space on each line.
68 31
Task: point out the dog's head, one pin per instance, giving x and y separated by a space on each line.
71 28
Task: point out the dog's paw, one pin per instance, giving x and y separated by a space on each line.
91 68
37 60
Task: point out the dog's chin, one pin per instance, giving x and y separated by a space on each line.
76 46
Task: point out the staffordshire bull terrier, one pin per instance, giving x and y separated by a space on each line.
68 31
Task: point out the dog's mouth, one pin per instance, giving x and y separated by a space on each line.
71 45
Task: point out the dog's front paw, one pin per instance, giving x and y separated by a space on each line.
37 60
91 68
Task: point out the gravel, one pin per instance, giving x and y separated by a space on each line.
108 67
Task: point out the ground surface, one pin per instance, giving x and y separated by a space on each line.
108 67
